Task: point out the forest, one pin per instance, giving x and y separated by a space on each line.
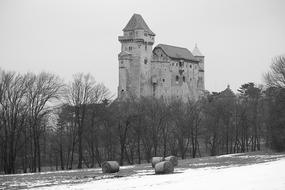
48 124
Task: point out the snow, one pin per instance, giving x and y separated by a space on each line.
262 176
230 155
69 171
63 171
126 167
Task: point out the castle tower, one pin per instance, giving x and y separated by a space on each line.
135 59
201 80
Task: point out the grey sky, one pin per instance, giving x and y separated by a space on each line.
239 38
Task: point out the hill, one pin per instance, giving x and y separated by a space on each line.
235 171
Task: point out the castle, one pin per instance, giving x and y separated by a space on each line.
165 71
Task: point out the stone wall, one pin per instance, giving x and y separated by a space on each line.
174 78
143 72
136 52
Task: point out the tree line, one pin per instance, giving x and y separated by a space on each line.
46 124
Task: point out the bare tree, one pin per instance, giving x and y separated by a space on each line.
79 95
42 89
123 117
13 114
276 76
275 93
186 119
155 115
96 111
81 92
180 128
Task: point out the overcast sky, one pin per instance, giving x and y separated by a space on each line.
239 38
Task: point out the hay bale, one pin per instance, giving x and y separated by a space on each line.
172 159
164 167
110 167
156 160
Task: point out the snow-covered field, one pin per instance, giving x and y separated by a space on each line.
237 171
261 176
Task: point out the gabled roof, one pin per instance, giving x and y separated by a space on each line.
137 22
197 52
177 52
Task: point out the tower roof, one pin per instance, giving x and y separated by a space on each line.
177 52
197 52
137 22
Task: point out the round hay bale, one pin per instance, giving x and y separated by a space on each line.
164 167
110 167
156 160
172 159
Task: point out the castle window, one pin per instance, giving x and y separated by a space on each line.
145 47
130 48
177 78
183 78
145 61
190 66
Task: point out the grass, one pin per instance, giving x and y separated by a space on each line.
24 181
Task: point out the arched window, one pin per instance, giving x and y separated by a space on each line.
183 78
177 78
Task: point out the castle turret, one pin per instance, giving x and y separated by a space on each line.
201 80
135 58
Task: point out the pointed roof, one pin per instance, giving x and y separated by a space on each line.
177 52
197 52
137 22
